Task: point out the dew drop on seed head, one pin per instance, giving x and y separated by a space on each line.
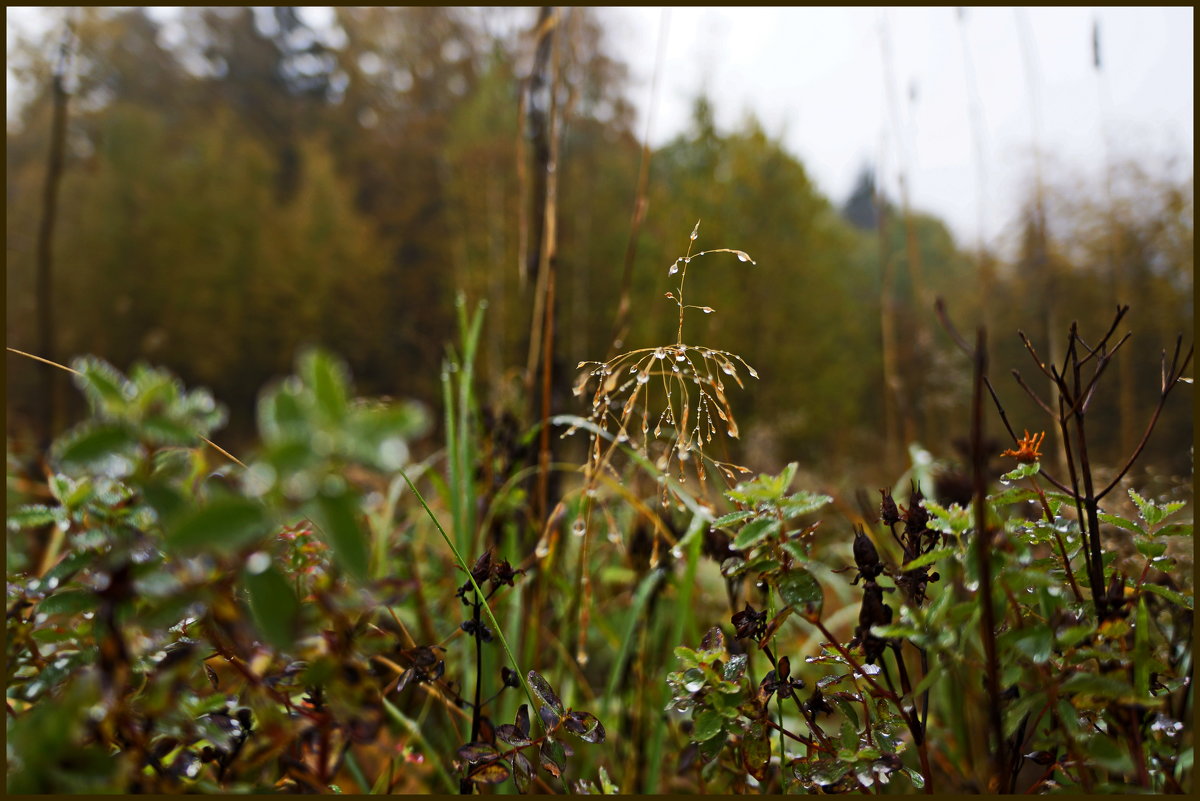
643 377
542 550
660 353
727 368
579 527
743 256
752 371
674 268
707 309
677 552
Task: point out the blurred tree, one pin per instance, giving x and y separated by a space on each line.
860 207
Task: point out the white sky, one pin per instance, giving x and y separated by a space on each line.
815 77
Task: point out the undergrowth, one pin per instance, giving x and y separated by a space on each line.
334 615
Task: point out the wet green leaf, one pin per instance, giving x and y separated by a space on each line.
337 518
544 691
800 589
273 605
224 524
707 724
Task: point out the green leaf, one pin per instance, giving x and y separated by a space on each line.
337 518
1150 549
1099 686
800 589
803 502
1074 634
1027 703
32 516
1120 522
1010 496
93 442
1036 642
927 559
1176 598
765 488
707 724
1152 512
545 692
329 381
733 517
1175 530
756 750
755 531
1022 471
607 786
1141 649
107 391
273 603
1108 754
280 415
69 602
224 524
162 430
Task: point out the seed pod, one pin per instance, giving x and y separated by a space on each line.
889 513
866 557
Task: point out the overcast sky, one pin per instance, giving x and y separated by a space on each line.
816 78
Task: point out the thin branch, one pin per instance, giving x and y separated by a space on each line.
1017 375
1137 451
1038 359
1116 320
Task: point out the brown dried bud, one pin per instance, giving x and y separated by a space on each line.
866 557
889 513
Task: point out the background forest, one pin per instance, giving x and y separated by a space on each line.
254 188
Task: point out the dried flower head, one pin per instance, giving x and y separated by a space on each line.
671 393
1028 448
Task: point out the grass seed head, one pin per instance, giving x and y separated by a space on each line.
666 402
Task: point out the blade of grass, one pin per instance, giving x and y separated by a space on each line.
683 618
413 728
640 597
355 771
487 609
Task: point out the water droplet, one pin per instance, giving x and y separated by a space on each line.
622 436
581 657
660 353
542 550
743 256
752 371
707 309
643 377
727 368
677 552
674 268
258 563
579 527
